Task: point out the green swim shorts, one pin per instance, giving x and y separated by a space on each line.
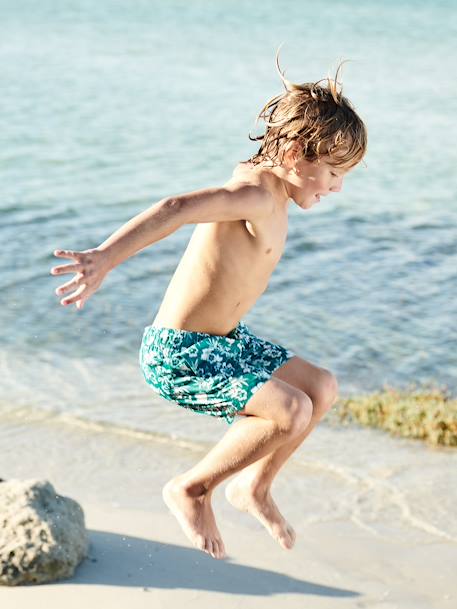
209 374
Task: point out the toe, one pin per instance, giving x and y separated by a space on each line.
221 549
200 542
209 547
287 540
216 549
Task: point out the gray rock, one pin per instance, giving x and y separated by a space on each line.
42 534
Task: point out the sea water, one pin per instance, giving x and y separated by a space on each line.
108 107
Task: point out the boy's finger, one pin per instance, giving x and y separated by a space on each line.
66 268
74 297
65 253
66 287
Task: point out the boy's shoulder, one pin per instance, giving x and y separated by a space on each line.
245 170
247 186
259 182
247 180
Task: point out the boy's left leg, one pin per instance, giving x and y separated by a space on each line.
322 387
250 488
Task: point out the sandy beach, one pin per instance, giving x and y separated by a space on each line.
140 559
379 550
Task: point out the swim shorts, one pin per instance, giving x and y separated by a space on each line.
207 373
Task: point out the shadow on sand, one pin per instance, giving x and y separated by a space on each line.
121 560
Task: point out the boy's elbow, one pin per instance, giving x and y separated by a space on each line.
172 203
173 208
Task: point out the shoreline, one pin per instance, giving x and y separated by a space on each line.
363 505
424 414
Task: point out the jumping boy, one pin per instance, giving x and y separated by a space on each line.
197 352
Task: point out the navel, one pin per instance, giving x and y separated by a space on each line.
268 250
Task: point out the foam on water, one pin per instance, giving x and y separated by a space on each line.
387 494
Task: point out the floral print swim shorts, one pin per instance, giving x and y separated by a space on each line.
207 373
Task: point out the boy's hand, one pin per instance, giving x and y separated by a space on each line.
90 266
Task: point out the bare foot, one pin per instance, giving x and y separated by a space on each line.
195 515
240 494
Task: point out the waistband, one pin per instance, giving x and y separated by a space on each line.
240 329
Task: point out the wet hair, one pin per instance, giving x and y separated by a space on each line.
315 115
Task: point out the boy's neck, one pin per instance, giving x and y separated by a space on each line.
274 179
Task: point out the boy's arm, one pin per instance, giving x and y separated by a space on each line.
229 203
234 201
91 266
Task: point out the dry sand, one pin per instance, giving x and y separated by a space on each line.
142 559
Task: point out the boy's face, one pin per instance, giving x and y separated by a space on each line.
309 181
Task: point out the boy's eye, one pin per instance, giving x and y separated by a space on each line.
335 175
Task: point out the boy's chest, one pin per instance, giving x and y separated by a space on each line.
269 235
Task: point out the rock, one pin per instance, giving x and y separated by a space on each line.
42 534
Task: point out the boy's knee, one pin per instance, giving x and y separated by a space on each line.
328 390
299 414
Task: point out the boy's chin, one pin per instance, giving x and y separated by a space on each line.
305 202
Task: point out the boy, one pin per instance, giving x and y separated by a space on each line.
197 352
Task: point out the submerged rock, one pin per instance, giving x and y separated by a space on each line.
42 534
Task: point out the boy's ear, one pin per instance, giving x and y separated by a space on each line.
292 153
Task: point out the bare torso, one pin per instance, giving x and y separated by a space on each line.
224 269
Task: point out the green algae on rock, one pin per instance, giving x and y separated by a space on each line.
429 415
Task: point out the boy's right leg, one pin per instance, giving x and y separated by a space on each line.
278 413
